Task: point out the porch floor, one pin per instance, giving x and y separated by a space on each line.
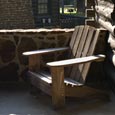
15 99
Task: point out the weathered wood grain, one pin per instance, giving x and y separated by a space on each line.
82 45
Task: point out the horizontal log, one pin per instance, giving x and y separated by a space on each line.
104 11
107 25
106 3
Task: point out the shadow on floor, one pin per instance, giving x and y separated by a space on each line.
15 99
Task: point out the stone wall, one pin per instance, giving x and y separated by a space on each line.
14 42
16 14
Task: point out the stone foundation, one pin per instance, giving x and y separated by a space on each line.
14 42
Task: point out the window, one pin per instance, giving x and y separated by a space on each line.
42 6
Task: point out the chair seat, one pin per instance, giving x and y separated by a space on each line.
46 77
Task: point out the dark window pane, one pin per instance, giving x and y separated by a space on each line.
42 6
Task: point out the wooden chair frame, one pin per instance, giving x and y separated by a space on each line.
55 86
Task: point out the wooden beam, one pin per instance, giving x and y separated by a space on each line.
106 12
107 25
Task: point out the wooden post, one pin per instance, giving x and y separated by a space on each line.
58 87
34 62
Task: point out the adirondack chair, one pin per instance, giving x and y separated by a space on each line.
81 51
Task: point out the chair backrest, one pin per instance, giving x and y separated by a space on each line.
83 43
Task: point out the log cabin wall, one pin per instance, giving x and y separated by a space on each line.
90 13
101 13
105 17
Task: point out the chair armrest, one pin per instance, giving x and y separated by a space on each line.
44 51
81 60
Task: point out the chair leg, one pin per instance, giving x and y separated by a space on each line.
58 87
58 101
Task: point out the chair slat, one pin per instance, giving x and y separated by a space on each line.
82 42
85 43
74 44
88 43
75 33
90 52
78 38
87 46
77 50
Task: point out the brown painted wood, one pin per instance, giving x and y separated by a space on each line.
90 13
89 4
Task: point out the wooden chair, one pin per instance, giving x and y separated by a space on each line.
81 51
